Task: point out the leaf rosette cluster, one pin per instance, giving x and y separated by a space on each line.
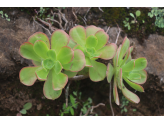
131 70
92 41
48 61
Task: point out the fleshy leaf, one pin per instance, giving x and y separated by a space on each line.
140 64
41 73
134 85
91 30
71 44
41 49
115 92
91 41
129 95
26 51
78 35
59 80
88 62
128 54
110 72
134 76
115 59
98 71
48 64
39 36
27 106
69 73
51 54
119 78
128 67
36 63
59 39
108 51
143 79
102 38
58 67
27 75
48 91
65 55
124 48
77 63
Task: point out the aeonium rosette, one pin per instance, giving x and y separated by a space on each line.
48 62
131 70
92 42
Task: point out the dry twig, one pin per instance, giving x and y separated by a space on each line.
93 107
67 93
79 77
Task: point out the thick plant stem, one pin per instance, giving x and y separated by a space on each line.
110 102
79 77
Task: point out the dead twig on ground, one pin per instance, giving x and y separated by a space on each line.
110 102
93 107
87 13
100 9
119 31
107 29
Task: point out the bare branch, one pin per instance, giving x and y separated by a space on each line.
93 107
100 9
119 31
42 26
78 10
79 77
107 29
87 13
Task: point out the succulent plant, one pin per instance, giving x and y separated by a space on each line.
48 62
92 42
131 70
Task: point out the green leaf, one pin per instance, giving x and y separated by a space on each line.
48 91
134 85
27 106
134 110
98 71
138 13
26 51
36 63
110 72
59 39
131 14
91 41
72 111
48 64
59 80
78 62
41 49
27 75
128 67
65 55
134 76
75 93
72 99
39 36
88 62
119 78
140 64
51 54
116 57
115 92
91 30
69 73
71 44
78 35
124 48
108 51
41 73
143 79
58 67
23 111
102 38
129 95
